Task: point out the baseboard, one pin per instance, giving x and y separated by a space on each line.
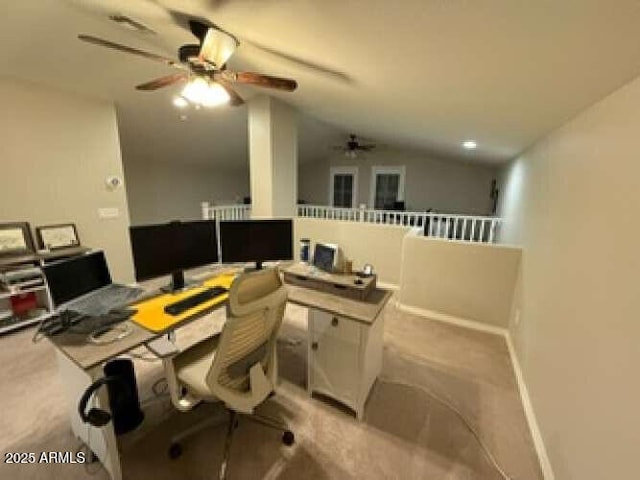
445 318
541 450
388 286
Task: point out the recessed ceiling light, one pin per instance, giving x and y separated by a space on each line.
180 102
469 144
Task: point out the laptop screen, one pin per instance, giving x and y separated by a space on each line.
72 278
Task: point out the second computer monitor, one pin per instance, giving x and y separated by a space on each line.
171 248
256 241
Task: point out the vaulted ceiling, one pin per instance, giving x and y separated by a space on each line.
425 74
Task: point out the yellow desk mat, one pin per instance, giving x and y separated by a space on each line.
150 313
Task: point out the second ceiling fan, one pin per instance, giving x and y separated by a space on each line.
203 66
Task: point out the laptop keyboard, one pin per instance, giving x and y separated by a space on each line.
101 302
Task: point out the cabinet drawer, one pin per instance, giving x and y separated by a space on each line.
344 329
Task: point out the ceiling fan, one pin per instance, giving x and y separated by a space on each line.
352 146
203 66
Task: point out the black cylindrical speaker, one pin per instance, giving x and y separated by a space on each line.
123 396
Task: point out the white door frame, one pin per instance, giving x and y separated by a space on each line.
344 171
375 170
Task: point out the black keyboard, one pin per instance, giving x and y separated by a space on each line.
194 300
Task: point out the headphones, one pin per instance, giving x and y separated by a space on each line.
95 417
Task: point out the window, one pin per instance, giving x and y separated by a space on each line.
387 187
343 186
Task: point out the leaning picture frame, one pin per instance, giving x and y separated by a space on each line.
15 239
54 237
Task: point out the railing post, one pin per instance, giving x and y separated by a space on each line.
205 210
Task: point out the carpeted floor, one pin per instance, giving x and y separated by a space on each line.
407 433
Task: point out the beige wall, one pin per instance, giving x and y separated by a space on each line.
572 201
440 184
159 191
380 245
57 151
464 280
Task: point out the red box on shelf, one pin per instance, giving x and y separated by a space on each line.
21 303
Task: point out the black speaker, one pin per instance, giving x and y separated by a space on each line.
123 395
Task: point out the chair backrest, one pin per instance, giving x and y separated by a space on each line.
254 314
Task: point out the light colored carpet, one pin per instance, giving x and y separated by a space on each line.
407 434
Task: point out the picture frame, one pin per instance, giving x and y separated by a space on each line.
55 237
15 239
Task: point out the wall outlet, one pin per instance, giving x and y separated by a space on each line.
109 212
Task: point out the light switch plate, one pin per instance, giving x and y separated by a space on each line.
109 212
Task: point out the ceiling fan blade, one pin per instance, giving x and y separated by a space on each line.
218 46
236 100
162 82
123 48
259 80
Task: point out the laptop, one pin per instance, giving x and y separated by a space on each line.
83 284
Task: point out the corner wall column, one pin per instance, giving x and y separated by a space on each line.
273 158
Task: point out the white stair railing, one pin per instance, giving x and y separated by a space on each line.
225 212
469 228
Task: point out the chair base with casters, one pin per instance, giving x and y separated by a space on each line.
237 367
176 448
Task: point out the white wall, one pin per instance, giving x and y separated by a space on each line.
160 191
56 153
468 281
441 184
572 200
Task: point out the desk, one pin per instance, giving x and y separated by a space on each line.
344 344
344 363
81 363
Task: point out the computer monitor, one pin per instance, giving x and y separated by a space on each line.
256 241
171 248
77 276
326 256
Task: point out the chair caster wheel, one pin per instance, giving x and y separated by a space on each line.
175 450
288 438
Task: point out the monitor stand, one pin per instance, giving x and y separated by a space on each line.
258 266
178 283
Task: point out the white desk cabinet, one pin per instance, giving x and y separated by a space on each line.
345 357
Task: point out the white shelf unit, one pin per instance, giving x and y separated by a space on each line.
43 300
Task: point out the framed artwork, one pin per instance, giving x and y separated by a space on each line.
15 239
54 237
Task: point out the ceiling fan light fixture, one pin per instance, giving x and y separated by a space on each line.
195 89
202 92
215 95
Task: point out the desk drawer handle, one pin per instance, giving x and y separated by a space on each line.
334 322
314 346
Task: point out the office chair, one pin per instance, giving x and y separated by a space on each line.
237 367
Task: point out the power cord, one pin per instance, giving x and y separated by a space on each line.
460 415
